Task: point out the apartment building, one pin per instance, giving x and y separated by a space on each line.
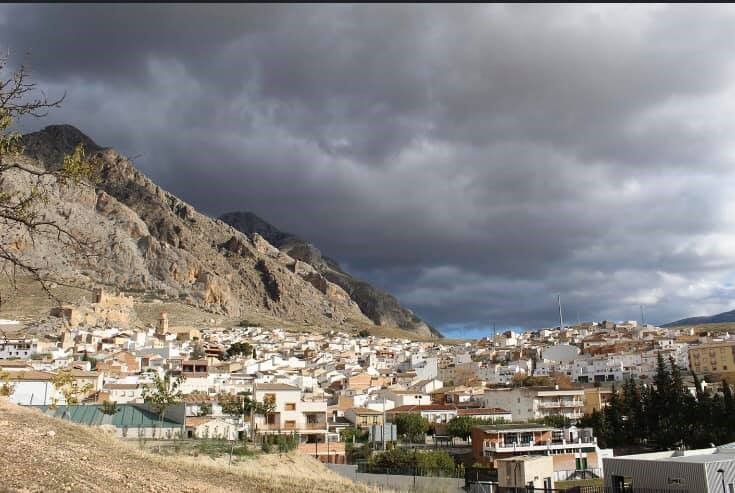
529 403
716 357
434 413
307 418
574 450
363 417
17 348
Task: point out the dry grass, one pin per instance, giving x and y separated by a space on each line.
79 458
30 302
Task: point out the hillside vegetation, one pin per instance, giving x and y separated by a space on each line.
40 453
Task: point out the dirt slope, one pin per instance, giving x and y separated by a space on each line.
78 458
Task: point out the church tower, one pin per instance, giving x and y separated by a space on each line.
162 327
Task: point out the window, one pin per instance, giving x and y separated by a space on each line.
270 398
290 406
290 424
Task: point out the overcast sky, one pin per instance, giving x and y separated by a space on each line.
474 161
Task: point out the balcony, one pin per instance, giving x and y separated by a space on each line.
558 404
539 446
315 426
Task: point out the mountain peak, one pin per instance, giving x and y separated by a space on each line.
50 144
380 307
248 222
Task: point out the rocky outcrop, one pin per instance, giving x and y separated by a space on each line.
326 275
145 239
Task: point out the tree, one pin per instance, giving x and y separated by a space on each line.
240 405
205 409
163 392
6 388
461 426
556 421
109 408
413 427
22 211
239 348
614 419
69 387
363 333
197 352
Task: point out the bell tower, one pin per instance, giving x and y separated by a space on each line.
162 327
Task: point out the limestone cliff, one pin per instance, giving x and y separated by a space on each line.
376 304
146 240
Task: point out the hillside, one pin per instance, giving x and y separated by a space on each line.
149 243
79 458
720 318
379 306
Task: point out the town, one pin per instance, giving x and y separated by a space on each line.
513 409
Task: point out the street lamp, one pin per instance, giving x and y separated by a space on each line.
722 475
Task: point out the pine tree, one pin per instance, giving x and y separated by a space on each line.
659 400
728 408
633 411
677 402
614 420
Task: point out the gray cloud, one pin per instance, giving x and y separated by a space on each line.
473 160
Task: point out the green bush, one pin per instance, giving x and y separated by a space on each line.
282 443
408 461
412 427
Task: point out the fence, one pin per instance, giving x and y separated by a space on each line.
492 487
401 482
409 470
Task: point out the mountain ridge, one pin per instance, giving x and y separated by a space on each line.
724 317
150 241
377 304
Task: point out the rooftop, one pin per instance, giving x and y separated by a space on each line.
127 415
276 386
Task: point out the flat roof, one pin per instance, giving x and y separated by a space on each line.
701 459
525 458
515 427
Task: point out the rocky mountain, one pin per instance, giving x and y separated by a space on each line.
144 239
381 307
720 318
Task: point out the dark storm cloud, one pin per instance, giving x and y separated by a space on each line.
473 160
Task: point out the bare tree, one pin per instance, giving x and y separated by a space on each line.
23 211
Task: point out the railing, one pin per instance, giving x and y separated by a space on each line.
534 446
550 404
315 426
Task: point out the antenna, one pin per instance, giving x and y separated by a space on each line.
561 318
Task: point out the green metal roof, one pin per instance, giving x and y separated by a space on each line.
92 415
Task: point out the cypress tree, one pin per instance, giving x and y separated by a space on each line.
613 420
728 408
